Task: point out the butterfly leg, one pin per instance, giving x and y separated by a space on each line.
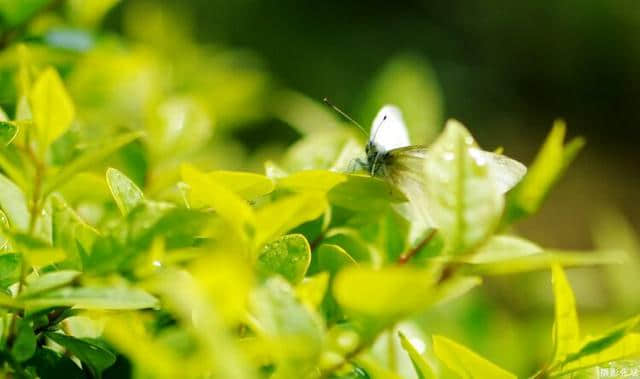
356 165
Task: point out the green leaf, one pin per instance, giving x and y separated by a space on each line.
288 256
627 346
89 159
125 192
52 108
389 293
509 254
552 161
594 346
293 328
52 365
465 362
464 203
280 216
351 241
566 327
233 209
14 204
10 264
70 232
365 194
95 356
422 366
48 282
329 258
104 298
25 343
247 185
311 180
8 131
313 289
410 83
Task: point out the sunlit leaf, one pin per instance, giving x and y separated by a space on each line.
88 159
295 332
52 108
288 256
509 254
329 258
125 192
245 184
8 131
94 298
465 362
276 218
313 289
14 204
40 257
422 366
627 346
566 327
311 180
463 202
550 164
389 293
48 282
365 193
229 206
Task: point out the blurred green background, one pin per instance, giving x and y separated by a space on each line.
249 76
505 69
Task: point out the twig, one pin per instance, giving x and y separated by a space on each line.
406 256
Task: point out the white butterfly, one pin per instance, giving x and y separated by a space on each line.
390 155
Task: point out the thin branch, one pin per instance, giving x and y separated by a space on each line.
407 255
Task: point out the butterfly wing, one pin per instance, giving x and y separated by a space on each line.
506 172
388 130
405 169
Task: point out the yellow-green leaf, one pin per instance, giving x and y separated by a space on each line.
8 131
313 289
422 366
626 347
509 254
389 293
125 192
92 157
566 327
230 207
52 108
465 362
550 164
276 218
464 202
244 184
311 180
14 204
288 256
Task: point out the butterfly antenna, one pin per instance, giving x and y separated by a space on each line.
384 118
343 114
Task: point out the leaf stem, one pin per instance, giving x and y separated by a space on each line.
407 255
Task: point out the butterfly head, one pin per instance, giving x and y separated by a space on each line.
375 158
